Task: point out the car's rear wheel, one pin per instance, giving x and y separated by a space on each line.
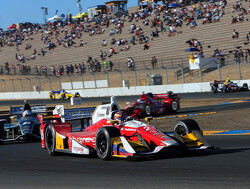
146 110
103 141
214 89
174 106
185 127
245 86
50 139
63 96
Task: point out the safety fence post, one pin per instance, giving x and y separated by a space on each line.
39 82
49 83
238 65
135 77
4 86
166 74
21 83
182 73
218 67
12 82
29 83
82 81
94 79
60 82
107 74
149 75
120 75
200 70
71 82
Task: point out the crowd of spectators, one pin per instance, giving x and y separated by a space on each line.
161 19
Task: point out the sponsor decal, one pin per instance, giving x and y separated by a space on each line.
62 125
104 107
78 113
100 115
83 140
42 135
129 129
78 149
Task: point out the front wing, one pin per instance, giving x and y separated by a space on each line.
125 148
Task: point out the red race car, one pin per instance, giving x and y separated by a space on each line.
114 134
154 104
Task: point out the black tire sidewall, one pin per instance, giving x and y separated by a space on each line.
144 108
173 104
108 132
50 130
188 125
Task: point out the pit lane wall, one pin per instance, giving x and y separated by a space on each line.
120 91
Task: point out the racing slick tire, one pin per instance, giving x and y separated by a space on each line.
174 106
146 110
214 89
50 139
103 141
77 94
186 126
63 96
51 97
245 86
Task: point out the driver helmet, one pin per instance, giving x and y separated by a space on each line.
120 116
27 113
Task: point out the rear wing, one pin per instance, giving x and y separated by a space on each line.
217 83
73 114
167 95
35 109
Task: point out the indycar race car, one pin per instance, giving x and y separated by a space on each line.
62 94
25 124
112 134
227 86
154 104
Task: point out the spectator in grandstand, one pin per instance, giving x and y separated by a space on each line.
53 70
131 63
201 54
112 40
104 42
132 40
146 46
246 54
14 69
235 34
153 62
111 51
105 65
111 65
43 52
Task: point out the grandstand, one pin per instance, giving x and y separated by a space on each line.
169 50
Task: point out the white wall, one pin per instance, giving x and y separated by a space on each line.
87 84
120 91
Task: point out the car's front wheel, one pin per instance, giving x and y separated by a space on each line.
103 141
50 139
186 126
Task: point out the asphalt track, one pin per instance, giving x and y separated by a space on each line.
26 165
207 95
